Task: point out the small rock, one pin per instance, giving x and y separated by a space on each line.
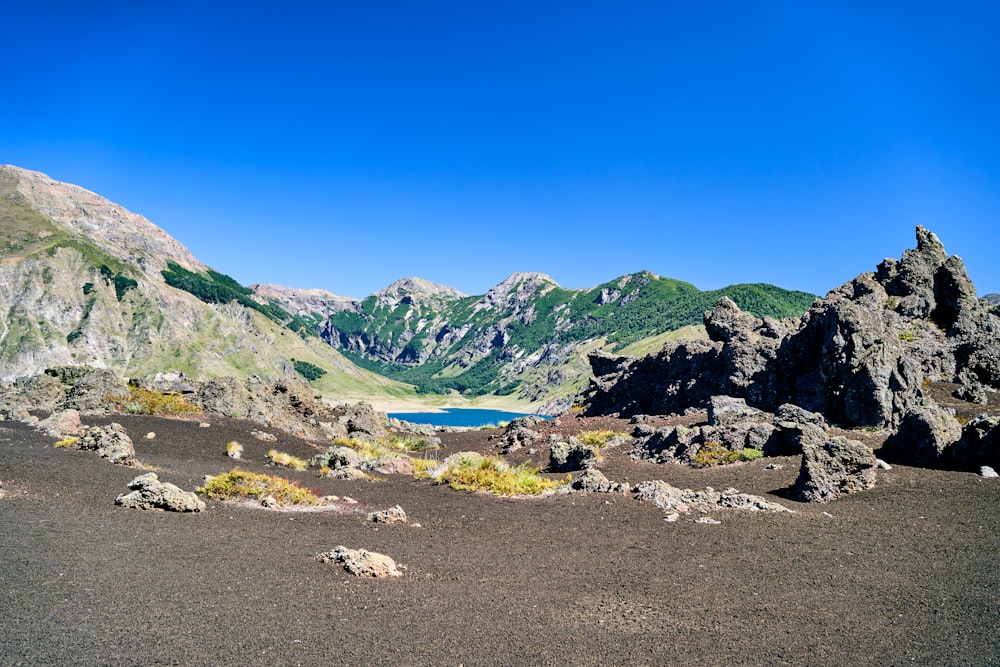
361 563
882 465
348 500
204 425
264 436
987 471
392 515
269 502
773 466
151 436
671 518
707 519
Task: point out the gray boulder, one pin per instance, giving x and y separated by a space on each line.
361 563
835 468
923 438
149 493
726 411
570 456
111 442
363 421
394 514
337 457
518 434
594 481
796 429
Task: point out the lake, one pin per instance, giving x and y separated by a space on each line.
459 417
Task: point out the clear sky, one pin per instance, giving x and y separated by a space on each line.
344 144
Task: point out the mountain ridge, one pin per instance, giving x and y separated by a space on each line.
84 281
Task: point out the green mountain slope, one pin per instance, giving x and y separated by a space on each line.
82 281
527 336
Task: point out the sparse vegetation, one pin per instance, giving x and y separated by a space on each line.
715 454
907 336
287 460
241 484
367 450
599 438
308 371
234 450
142 401
468 471
67 442
413 443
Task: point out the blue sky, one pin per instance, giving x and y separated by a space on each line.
344 145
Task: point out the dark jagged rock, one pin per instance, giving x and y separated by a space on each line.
364 421
924 437
570 456
979 444
835 468
594 481
859 357
518 434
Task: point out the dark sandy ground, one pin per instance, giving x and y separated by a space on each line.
906 573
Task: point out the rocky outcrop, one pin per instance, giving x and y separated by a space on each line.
286 403
363 421
62 424
570 456
979 444
518 434
672 499
149 493
924 437
859 357
835 468
111 442
362 563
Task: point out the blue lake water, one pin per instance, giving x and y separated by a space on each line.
458 417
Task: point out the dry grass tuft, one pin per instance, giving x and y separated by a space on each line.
144 402
241 484
287 460
468 471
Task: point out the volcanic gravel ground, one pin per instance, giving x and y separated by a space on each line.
906 573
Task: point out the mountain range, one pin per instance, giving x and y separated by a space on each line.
84 281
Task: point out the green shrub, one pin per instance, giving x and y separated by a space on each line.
308 371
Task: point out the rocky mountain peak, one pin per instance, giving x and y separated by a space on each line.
123 234
306 301
418 287
516 289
